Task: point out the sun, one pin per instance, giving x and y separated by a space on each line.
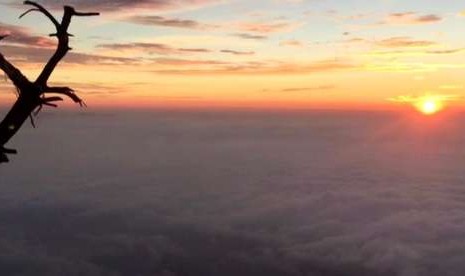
429 106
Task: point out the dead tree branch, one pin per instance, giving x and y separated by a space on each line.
32 95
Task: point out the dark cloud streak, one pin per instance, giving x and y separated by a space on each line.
403 42
167 22
128 5
250 36
410 18
310 89
237 53
22 36
152 48
41 55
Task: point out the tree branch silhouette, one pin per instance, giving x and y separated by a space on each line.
32 96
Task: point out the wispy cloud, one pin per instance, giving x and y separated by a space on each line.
122 6
94 88
354 40
186 62
291 43
142 48
250 36
410 18
194 50
23 36
309 89
167 22
265 68
451 87
403 42
414 52
410 67
268 27
150 48
446 51
417 99
40 55
238 53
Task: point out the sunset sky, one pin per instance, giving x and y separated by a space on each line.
261 53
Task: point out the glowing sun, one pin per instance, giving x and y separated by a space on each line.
429 106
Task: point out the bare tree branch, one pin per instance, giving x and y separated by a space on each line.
4 152
41 9
31 95
13 73
63 43
86 13
28 11
67 92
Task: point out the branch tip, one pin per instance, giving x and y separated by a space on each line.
41 9
8 151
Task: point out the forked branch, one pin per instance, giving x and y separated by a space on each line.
61 33
31 95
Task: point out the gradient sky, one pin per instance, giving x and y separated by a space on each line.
286 53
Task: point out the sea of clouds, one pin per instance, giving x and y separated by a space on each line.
235 193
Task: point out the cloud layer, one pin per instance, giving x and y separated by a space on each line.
234 194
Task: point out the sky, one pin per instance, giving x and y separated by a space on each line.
262 53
